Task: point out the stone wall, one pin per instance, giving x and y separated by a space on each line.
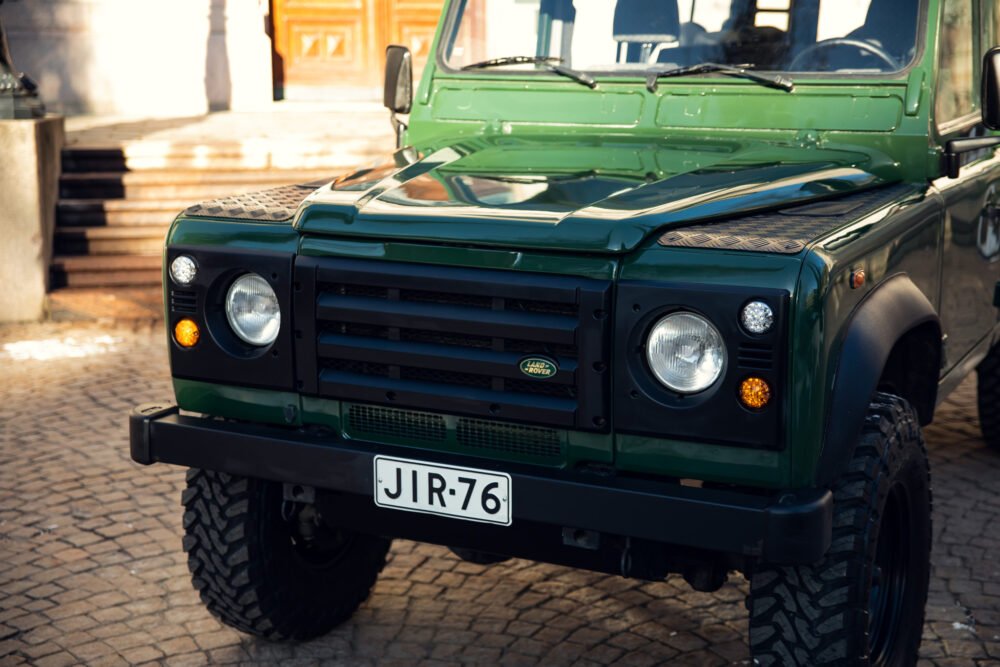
143 57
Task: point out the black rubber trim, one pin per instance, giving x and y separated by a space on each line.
893 308
795 529
138 429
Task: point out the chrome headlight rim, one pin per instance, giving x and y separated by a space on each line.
717 367
270 329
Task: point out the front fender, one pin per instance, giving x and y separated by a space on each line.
891 310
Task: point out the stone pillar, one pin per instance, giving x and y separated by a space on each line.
144 58
29 189
238 62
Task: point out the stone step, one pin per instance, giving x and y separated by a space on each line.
120 305
119 240
343 155
193 185
106 271
118 212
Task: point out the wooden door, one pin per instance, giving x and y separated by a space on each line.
325 44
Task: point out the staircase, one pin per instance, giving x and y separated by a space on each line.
115 206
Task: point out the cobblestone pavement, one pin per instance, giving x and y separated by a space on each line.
91 568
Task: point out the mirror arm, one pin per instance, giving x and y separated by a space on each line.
399 127
956 148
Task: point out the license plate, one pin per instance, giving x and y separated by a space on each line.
462 493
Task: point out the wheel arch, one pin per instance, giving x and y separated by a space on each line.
891 342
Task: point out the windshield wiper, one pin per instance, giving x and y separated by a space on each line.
514 60
740 71
550 63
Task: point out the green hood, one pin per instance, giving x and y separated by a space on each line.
599 197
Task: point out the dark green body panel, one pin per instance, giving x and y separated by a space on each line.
598 196
536 174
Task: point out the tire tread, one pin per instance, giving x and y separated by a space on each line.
231 573
804 615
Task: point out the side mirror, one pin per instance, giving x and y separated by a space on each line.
956 148
991 89
398 93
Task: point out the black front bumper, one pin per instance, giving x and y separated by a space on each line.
786 528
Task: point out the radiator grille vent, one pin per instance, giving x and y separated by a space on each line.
510 438
386 422
476 434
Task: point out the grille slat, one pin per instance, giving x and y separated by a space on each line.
442 317
448 338
472 360
455 397
449 280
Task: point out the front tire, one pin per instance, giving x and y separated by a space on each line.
988 393
863 604
257 570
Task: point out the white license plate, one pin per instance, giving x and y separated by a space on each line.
463 493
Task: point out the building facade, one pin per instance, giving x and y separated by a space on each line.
159 58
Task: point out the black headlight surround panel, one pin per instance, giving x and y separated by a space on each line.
220 356
644 406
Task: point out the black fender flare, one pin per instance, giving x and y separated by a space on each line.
895 307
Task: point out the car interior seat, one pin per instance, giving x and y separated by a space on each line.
643 27
891 24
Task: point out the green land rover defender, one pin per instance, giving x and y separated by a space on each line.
647 287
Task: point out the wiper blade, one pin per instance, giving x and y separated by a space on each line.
579 77
739 71
514 60
550 63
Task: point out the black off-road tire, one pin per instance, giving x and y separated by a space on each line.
252 569
829 613
988 390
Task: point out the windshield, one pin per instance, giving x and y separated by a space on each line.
632 36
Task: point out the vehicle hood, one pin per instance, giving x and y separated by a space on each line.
602 197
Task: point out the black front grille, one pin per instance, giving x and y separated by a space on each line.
452 339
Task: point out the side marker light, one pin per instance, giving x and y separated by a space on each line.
755 393
857 279
186 333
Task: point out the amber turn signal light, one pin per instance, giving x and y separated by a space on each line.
755 393
186 333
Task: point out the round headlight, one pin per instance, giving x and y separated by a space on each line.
183 270
685 352
252 310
